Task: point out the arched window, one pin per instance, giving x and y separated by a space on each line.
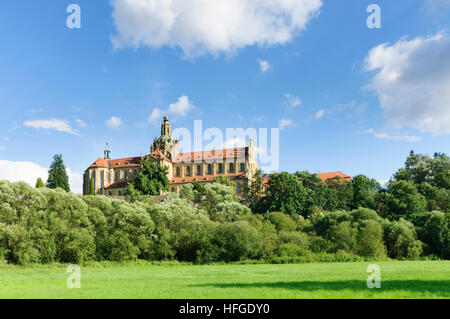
111 177
173 189
135 174
94 180
238 188
188 171
110 193
242 167
102 179
209 169
199 170
178 172
120 193
231 168
220 168
126 175
117 177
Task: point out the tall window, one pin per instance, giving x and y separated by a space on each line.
178 172
111 176
135 174
220 168
231 168
188 171
94 180
199 170
238 188
209 169
126 175
102 179
242 167
117 177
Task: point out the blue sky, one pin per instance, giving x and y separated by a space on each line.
342 99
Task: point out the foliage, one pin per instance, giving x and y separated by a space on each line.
151 179
39 183
57 175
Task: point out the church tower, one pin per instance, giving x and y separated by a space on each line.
165 127
165 144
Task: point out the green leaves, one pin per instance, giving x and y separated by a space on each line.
57 176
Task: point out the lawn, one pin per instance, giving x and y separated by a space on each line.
399 279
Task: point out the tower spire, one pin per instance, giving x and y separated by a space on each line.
107 152
165 127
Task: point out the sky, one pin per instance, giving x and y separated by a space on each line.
343 96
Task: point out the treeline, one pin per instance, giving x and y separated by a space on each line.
295 218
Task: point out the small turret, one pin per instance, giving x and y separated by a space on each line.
107 152
165 127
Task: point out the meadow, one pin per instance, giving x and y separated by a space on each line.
399 279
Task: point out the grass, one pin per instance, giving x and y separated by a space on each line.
399 279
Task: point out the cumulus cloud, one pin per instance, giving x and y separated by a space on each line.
29 172
180 108
292 101
412 82
284 123
114 122
201 27
264 66
397 137
51 124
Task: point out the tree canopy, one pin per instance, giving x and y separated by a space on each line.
57 175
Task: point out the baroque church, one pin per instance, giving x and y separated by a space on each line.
111 176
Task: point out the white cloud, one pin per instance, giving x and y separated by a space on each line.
2 148
264 66
29 172
80 123
180 108
283 123
387 136
201 27
292 101
412 82
319 114
114 122
51 124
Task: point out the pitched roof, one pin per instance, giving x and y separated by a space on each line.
200 179
126 162
326 176
237 152
100 162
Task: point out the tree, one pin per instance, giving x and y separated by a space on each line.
39 183
152 179
401 200
91 187
57 175
364 192
285 193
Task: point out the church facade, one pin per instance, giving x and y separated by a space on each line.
111 177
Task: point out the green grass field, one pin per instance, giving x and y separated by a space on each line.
407 279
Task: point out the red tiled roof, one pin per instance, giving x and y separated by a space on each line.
237 152
200 179
326 176
100 162
126 162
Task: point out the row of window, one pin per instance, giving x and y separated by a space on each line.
210 169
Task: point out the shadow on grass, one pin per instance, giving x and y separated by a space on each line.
438 287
